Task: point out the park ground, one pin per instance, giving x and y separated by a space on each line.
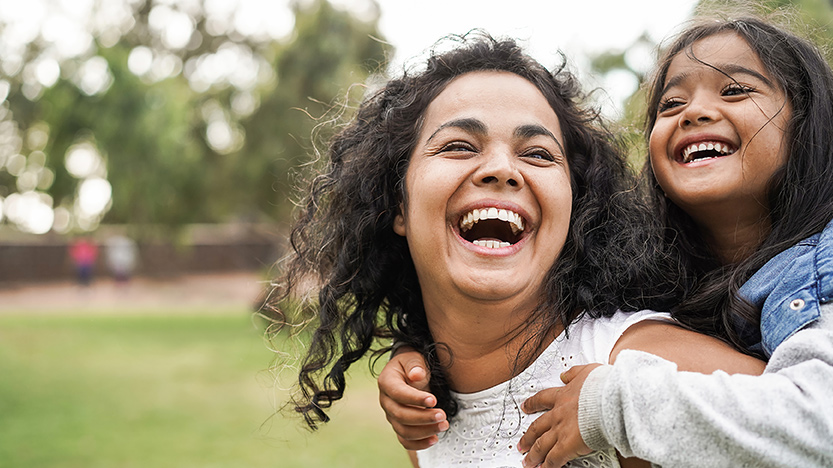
165 372
218 290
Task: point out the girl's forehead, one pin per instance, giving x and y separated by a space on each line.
725 54
720 50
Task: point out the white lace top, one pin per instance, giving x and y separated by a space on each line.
489 424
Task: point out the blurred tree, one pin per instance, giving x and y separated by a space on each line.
166 112
329 51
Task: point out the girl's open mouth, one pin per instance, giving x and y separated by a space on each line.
705 150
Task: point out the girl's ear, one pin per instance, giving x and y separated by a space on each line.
399 221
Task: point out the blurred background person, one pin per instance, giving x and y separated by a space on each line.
121 256
83 253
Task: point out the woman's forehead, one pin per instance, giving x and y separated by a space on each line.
494 98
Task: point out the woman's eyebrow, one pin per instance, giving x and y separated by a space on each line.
471 125
533 130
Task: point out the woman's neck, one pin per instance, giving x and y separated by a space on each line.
483 342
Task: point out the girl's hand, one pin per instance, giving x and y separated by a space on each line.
554 438
403 385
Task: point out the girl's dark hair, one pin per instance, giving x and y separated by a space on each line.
344 245
800 193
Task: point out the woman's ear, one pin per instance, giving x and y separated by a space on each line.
399 225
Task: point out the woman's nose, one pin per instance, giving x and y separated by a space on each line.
499 168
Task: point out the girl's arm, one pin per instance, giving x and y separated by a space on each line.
643 406
413 457
408 406
559 426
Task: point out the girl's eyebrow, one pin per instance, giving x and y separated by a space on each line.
735 69
728 69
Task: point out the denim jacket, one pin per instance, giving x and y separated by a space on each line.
790 288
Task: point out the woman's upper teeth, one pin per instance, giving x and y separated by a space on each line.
515 220
722 148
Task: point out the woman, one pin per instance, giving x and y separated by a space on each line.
474 212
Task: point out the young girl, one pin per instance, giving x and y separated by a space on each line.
472 211
741 159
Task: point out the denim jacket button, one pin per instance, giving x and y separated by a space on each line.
797 304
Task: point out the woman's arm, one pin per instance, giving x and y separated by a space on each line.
644 407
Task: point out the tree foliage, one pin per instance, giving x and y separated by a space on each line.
206 129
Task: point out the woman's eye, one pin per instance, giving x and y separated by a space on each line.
668 104
457 146
539 153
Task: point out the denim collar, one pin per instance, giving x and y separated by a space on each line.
790 287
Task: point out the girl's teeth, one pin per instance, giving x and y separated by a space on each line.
721 148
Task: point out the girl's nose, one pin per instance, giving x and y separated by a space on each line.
698 113
499 169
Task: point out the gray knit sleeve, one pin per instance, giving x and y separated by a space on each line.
783 418
590 409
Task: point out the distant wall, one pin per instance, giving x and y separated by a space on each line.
205 248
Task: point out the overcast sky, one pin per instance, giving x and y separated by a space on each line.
578 28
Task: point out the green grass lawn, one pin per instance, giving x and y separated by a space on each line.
153 390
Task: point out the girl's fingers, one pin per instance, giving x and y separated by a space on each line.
394 391
411 415
416 434
539 450
571 374
538 428
541 401
421 444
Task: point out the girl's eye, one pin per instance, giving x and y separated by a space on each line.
736 89
668 104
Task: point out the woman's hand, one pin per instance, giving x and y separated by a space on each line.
554 438
403 394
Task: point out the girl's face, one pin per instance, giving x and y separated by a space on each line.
488 197
720 131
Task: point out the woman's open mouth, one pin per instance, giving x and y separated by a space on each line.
492 228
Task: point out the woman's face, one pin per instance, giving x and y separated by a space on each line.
488 196
720 130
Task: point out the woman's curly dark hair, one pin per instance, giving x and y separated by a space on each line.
344 244
800 193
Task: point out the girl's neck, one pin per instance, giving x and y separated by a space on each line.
734 242
483 343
